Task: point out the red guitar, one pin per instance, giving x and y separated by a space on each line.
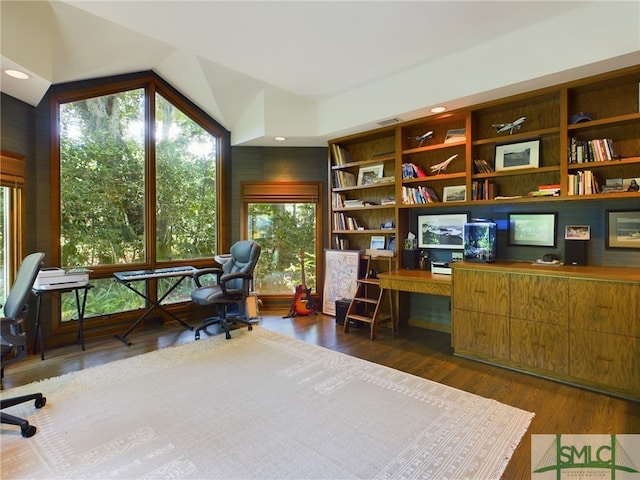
303 303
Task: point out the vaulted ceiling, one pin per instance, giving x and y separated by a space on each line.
311 71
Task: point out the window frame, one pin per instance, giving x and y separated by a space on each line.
285 192
151 85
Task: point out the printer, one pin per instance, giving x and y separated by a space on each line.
57 279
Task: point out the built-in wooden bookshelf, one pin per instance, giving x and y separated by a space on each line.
611 101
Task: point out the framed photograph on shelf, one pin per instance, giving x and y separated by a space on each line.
377 242
577 232
623 229
518 155
368 175
457 193
441 231
533 229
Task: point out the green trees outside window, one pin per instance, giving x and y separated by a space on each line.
138 177
282 230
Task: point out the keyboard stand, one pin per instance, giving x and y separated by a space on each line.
154 304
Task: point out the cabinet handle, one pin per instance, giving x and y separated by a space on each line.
481 334
480 291
606 307
604 359
541 345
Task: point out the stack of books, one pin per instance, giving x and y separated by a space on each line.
546 191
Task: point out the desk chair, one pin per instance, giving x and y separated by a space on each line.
233 283
13 338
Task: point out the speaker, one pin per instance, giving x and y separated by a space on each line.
576 252
411 259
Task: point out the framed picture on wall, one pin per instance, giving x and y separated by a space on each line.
533 229
623 229
441 231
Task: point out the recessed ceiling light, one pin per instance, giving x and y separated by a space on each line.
16 74
279 139
438 109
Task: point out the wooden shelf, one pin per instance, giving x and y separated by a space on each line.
611 99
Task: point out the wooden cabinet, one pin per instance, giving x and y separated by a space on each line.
577 325
605 333
480 323
539 322
481 334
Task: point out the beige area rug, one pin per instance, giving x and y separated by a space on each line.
260 405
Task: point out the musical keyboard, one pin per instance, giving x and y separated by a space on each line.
135 275
129 279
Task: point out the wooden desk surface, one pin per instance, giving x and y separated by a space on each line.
419 281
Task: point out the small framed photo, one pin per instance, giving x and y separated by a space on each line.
368 175
623 229
456 193
533 229
577 232
518 155
441 231
377 242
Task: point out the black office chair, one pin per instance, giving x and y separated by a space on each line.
13 338
232 287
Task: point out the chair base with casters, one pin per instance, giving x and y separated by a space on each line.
224 318
26 429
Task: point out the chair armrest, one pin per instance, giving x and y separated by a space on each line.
206 271
223 279
11 331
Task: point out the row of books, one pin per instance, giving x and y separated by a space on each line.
596 150
340 242
413 196
344 179
583 183
345 222
483 189
341 155
482 166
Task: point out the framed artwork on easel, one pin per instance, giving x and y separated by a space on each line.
340 276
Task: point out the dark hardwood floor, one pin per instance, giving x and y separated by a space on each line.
559 408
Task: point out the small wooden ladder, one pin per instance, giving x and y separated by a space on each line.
366 303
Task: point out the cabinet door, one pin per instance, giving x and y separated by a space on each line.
480 291
543 299
540 345
483 334
609 307
608 360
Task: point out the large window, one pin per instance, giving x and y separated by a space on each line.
138 170
284 218
12 171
